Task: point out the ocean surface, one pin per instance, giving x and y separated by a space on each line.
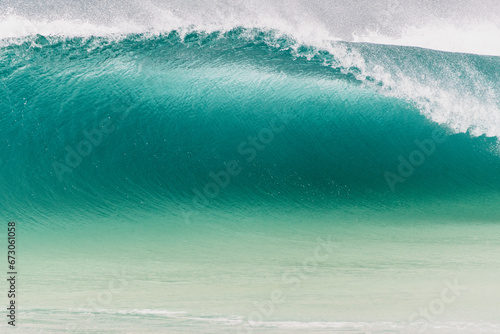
245 180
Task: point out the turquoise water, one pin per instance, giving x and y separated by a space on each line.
177 182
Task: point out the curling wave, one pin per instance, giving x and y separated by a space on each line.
217 117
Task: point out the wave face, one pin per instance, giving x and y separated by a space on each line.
204 119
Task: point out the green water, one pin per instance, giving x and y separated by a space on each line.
377 269
236 182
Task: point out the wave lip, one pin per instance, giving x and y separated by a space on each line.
308 24
14 27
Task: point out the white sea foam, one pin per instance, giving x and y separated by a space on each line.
236 322
443 26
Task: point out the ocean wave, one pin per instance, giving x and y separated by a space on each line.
153 118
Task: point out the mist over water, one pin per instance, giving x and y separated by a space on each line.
460 26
